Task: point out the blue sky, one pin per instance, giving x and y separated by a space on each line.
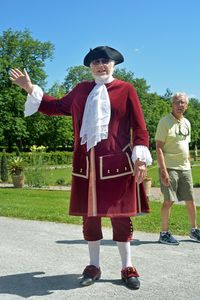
159 39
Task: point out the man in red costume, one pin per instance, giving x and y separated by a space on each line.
110 154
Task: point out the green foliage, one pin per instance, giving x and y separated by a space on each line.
19 50
34 176
58 133
75 75
16 166
128 76
49 158
60 181
193 114
58 130
154 107
4 167
57 158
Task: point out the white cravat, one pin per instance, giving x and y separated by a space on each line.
96 116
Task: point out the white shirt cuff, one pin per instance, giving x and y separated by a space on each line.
143 153
33 101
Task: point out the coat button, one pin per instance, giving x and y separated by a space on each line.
117 170
108 171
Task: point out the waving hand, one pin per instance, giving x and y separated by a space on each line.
21 79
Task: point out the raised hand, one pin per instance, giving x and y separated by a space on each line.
21 79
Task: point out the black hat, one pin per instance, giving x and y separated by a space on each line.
103 52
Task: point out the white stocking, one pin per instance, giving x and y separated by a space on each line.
94 250
125 253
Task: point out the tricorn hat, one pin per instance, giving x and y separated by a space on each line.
103 52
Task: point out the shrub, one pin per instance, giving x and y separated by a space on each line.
60 181
34 175
4 167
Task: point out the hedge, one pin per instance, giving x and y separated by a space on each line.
49 158
63 158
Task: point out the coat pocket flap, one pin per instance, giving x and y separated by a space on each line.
115 165
80 166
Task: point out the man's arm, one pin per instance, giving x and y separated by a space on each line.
161 162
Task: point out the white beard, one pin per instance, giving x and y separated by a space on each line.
101 78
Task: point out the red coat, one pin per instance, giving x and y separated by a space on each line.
102 180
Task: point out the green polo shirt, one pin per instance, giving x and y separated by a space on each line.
176 137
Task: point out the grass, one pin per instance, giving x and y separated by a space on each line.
35 205
56 175
53 206
52 176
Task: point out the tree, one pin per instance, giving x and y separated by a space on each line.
154 107
19 49
139 83
193 115
59 131
75 75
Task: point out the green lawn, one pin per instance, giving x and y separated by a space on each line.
53 176
53 206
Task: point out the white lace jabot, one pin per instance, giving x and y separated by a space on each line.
96 115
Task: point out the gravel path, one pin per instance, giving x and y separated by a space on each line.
43 260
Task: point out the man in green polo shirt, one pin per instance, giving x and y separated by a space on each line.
172 149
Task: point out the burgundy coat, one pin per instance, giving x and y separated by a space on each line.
103 181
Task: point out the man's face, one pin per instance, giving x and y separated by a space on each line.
102 67
179 106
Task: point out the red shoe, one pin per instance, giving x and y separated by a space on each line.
90 274
130 277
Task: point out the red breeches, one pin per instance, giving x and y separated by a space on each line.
122 229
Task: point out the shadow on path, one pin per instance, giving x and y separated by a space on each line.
135 242
33 284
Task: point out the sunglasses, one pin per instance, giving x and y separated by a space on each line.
178 102
183 130
103 61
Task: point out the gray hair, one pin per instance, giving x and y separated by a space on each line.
180 95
